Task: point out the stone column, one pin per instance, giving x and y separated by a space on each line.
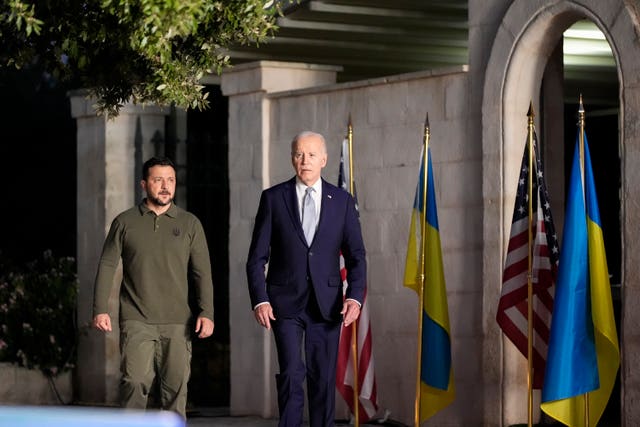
110 153
181 156
253 357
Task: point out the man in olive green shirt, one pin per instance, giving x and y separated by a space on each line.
160 246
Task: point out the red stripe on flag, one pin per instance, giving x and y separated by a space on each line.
367 388
512 315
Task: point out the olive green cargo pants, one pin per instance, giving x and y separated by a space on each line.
149 351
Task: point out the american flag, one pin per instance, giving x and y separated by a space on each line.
513 305
368 401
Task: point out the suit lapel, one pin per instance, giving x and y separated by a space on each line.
291 202
325 205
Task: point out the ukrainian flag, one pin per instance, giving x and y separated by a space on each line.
583 356
437 389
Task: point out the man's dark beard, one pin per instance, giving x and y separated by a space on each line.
158 202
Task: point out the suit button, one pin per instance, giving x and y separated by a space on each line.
310 253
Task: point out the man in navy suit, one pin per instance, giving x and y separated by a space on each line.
300 229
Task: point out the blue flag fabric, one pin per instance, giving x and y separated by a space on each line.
583 356
437 389
571 366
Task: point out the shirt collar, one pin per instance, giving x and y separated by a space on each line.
172 211
301 186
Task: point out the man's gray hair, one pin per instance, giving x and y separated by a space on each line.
307 133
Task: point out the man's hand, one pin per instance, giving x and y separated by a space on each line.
264 315
350 311
204 327
102 322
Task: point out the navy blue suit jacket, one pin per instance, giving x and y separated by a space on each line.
278 240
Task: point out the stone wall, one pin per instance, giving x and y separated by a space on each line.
21 386
388 117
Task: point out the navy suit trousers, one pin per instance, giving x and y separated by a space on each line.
320 338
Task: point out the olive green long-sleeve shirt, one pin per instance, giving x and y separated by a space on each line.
158 253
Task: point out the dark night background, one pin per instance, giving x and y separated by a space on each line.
38 150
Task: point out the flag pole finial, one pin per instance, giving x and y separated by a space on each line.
581 122
427 130
531 114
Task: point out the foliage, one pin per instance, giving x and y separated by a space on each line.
37 314
132 50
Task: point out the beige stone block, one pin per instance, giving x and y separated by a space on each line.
382 274
450 142
391 389
272 76
395 233
21 386
455 95
465 313
458 184
387 104
371 232
82 105
464 409
376 183
462 269
295 115
460 228
399 145
426 96
249 199
630 316
345 106
367 155
464 356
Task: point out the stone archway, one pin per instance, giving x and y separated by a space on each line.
527 35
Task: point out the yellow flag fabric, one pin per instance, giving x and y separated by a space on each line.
565 391
437 389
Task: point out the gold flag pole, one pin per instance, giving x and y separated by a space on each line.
421 278
581 147
530 126
354 328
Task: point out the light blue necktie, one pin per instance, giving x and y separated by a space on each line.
308 215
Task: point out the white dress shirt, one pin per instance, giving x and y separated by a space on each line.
316 195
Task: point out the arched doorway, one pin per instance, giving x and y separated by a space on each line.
527 38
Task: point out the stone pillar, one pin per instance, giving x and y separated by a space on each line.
253 361
110 153
180 160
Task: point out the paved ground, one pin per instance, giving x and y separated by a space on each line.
216 417
230 421
74 416
260 422
219 417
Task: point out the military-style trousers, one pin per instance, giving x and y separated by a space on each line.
149 351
